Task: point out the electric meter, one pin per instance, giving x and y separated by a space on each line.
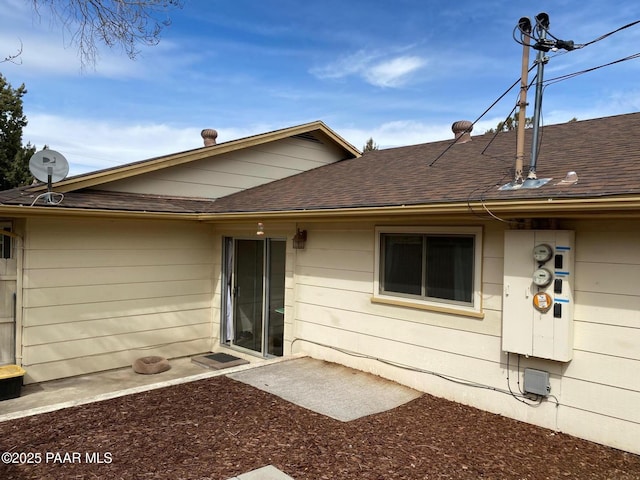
542 277
542 302
542 253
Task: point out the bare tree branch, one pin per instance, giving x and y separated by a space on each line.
15 58
124 23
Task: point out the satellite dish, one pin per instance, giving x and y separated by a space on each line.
49 166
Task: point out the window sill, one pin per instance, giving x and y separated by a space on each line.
432 308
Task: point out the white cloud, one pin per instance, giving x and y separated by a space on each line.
377 68
94 145
394 72
397 133
349 65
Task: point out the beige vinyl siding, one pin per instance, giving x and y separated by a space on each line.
232 172
601 388
597 391
100 293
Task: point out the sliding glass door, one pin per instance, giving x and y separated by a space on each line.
248 293
254 314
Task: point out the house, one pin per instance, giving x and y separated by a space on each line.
411 263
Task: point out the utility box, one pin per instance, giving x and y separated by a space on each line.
536 382
537 302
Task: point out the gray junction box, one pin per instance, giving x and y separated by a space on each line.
536 382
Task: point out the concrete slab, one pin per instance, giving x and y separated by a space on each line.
68 392
327 388
265 473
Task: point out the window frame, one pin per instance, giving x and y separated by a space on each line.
473 308
6 241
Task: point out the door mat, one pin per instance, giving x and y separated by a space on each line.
218 361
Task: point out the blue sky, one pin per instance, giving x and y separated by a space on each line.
399 71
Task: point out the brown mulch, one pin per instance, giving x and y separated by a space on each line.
219 428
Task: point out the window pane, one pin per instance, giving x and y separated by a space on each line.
402 264
450 268
5 244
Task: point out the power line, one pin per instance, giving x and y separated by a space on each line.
602 37
478 119
581 72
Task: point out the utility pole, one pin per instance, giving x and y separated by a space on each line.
542 45
525 27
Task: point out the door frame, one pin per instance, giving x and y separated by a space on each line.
227 321
8 293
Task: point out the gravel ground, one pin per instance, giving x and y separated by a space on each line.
219 428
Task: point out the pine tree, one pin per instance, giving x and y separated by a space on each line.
370 145
511 123
14 158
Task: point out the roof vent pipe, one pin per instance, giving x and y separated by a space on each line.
209 136
462 131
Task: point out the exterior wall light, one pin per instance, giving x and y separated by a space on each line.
299 239
260 230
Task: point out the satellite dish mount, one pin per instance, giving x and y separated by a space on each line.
49 166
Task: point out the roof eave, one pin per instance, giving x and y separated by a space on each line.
21 211
616 207
627 206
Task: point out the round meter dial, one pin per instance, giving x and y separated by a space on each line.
542 277
542 252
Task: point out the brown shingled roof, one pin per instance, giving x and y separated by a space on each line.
102 200
604 152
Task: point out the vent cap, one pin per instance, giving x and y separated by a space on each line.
209 136
462 130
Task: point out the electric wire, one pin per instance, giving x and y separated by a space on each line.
520 397
494 216
504 94
495 134
484 206
568 76
555 399
518 381
50 195
602 37
522 33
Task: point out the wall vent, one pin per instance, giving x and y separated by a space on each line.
309 137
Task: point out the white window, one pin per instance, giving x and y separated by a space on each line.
437 267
